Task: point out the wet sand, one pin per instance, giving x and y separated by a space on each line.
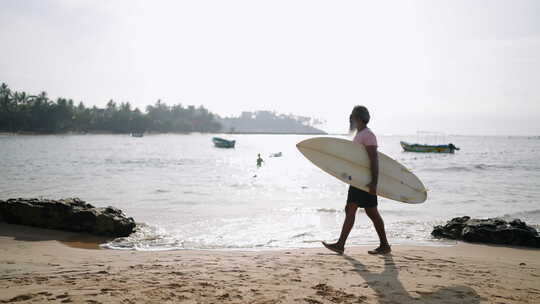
38 266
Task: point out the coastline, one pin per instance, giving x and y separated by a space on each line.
160 133
2 133
38 265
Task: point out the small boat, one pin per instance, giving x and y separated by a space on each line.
450 148
223 143
136 134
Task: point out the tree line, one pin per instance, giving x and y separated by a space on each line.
22 112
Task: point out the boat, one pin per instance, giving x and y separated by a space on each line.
449 148
223 143
136 134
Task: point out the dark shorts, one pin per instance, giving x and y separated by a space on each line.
361 198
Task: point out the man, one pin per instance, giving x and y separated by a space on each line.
358 120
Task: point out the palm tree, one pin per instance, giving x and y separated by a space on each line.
6 107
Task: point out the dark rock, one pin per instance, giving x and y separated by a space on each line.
70 214
492 230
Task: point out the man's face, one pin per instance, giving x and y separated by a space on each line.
358 123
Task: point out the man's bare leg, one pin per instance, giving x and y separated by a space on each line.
350 215
384 247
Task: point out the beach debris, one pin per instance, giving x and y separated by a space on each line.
492 230
71 214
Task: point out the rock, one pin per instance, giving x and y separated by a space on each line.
492 230
70 214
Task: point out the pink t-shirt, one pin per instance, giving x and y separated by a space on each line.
365 137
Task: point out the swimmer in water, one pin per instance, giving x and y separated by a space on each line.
260 161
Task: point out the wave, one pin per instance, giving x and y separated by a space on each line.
146 238
449 169
389 212
529 212
148 162
329 210
476 167
529 215
301 235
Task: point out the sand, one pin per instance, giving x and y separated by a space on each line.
38 266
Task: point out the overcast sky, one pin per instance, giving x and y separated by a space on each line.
465 67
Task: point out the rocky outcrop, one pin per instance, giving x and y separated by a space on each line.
492 230
66 214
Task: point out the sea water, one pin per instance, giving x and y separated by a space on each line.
185 193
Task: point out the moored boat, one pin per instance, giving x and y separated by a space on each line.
223 143
449 148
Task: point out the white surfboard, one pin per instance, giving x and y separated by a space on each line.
349 162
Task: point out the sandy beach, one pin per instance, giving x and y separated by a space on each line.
38 265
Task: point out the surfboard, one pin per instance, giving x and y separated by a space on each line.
349 162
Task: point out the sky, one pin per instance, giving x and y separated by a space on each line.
459 67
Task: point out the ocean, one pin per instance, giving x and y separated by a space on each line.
187 194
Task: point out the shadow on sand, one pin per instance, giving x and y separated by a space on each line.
389 288
33 234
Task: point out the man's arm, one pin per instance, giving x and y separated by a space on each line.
374 165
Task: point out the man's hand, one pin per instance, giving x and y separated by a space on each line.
372 188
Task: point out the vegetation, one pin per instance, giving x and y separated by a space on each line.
271 122
22 112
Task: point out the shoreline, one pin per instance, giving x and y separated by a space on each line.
38 265
88 241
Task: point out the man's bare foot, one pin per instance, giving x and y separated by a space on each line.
381 250
334 247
